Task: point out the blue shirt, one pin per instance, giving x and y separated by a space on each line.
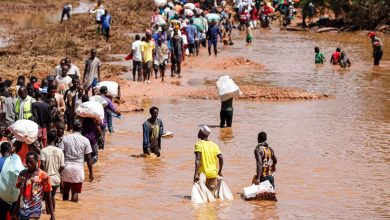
213 32
2 160
191 31
106 21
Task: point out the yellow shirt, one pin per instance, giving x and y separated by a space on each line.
208 161
147 50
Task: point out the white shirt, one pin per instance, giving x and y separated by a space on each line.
74 70
136 46
64 83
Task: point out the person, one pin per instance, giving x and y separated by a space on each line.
344 61
57 69
74 71
76 147
34 185
67 10
192 32
7 109
59 99
153 129
147 50
10 167
265 161
110 107
64 81
91 72
106 24
335 59
137 58
377 46
99 10
53 162
23 105
226 113
319 57
41 112
162 53
310 11
206 155
93 132
177 46
70 94
249 34
212 36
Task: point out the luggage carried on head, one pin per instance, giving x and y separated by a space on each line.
160 3
98 98
112 88
212 16
24 131
227 89
91 109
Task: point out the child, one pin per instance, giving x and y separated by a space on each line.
249 35
319 58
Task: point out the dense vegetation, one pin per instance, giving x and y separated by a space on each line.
364 14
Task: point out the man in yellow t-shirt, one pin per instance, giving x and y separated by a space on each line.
206 155
147 50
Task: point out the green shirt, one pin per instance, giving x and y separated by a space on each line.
227 105
319 58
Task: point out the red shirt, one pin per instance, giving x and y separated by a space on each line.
336 57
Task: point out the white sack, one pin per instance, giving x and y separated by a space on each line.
25 131
253 190
223 192
197 196
91 109
160 3
112 88
98 98
202 182
188 12
189 6
227 89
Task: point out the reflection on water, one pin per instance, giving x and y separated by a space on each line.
333 155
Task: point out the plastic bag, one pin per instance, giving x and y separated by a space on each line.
8 177
227 89
24 131
188 12
223 192
91 109
190 6
253 190
112 88
205 194
98 98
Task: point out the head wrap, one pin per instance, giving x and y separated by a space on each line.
372 34
205 130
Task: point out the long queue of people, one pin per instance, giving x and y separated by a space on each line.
31 172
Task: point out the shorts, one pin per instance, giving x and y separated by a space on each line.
74 187
249 37
94 83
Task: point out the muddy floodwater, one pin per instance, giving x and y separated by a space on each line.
333 155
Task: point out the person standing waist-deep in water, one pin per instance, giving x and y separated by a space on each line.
265 161
152 131
226 113
377 46
206 155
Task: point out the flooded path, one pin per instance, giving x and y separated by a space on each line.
333 155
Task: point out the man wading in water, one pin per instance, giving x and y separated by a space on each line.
265 161
152 131
206 154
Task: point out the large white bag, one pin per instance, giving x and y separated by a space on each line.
190 6
8 177
98 98
253 190
206 195
212 16
91 109
160 3
227 89
24 131
112 88
188 12
223 192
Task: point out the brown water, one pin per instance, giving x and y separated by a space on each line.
334 156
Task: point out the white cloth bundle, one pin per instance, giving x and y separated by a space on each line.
253 190
223 192
112 88
24 131
200 193
91 109
227 89
98 98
